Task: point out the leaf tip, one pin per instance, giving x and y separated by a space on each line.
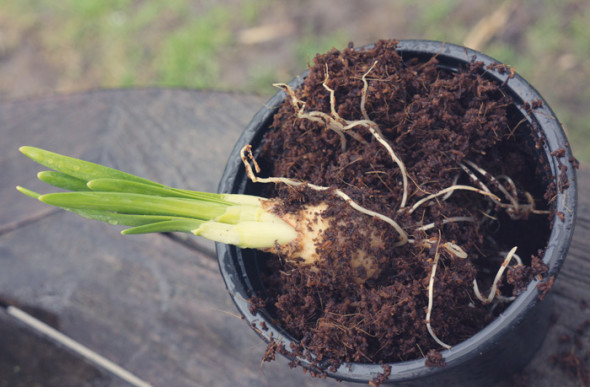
28 192
27 150
33 153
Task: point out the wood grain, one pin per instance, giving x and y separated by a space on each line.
154 305
157 305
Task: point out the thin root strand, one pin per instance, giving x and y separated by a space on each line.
497 279
246 156
431 297
449 189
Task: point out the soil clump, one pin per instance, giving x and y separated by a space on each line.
449 128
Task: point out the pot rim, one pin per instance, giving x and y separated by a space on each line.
234 181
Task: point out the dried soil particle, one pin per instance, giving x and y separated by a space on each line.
255 304
574 360
434 120
435 359
519 277
382 377
545 286
573 365
558 153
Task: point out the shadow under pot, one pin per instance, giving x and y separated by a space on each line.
450 293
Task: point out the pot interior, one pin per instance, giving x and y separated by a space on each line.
242 269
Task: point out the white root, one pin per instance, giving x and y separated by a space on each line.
448 194
474 177
403 235
314 116
451 248
449 189
511 183
431 298
484 173
501 298
455 250
340 125
492 294
453 219
514 256
364 92
514 209
376 132
532 205
399 163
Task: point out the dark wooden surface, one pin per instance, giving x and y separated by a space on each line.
154 304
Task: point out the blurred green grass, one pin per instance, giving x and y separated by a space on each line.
199 44
128 43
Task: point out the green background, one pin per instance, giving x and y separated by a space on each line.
244 46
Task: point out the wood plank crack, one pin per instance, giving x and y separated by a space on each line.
28 220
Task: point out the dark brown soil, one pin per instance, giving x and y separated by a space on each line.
434 120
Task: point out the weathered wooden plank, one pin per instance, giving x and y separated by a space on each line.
38 366
148 303
155 306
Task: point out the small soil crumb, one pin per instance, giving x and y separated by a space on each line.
537 103
573 365
575 162
272 349
558 153
382 377
545 286
255 304
271 352
435 359
539 267
519 277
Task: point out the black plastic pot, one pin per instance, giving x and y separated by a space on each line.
501 348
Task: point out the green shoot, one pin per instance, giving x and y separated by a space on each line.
119 198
